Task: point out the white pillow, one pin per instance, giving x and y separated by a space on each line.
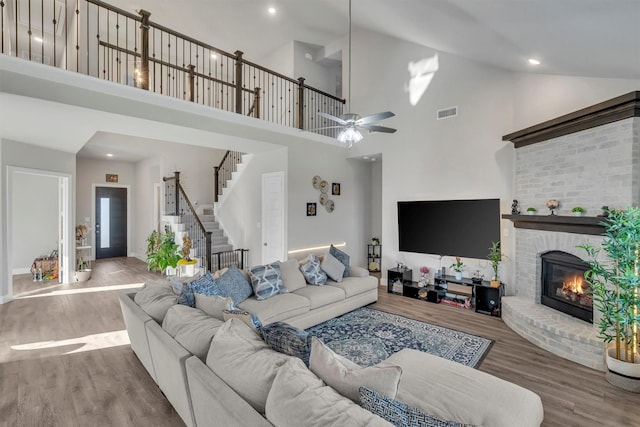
347 377
291 276
333 267
213 305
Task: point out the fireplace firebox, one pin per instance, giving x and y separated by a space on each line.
564 287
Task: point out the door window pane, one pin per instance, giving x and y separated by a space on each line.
104 223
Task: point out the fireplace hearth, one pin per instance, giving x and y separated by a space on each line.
563 285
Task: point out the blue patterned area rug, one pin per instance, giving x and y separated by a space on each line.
368 336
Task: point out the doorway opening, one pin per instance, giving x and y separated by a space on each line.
111 219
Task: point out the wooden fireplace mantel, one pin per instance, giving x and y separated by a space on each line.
619 108
568 224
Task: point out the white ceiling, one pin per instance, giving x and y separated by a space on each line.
596 38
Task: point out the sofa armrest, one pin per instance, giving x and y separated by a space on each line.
135 320
355 271
213 399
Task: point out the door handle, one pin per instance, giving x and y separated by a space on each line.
265 243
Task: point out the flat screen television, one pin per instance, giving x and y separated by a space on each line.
464 228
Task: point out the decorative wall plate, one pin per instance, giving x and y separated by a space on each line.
323 199
329 206
316 182
324 186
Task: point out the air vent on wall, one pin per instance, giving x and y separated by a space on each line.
447 113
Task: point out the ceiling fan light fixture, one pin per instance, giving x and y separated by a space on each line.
350 136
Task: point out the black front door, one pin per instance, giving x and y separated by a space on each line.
111 222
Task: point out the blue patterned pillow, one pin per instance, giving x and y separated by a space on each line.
342 257
235 285
287 339
400 414
205 285
312 272
266 281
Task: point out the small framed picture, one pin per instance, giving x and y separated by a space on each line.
112 177
335 189
311 209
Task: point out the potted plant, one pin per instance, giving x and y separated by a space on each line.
458 267
615 286
375 240
578 211
162 251
494 257
531 210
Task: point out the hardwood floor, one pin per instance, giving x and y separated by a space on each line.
65 361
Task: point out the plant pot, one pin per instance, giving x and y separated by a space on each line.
458 275
495 283
83 275
624 375
577 214
531 212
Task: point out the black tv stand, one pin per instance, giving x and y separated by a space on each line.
488 300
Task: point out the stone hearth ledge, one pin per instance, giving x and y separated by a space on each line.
556 332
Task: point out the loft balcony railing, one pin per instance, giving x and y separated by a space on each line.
94 38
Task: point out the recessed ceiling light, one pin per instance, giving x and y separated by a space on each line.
365 157
373 159
271 10
534 61
37 39
109 155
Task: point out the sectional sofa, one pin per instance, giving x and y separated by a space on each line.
223 373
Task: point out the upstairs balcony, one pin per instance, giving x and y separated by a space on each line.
96 39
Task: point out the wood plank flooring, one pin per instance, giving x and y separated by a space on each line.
63 362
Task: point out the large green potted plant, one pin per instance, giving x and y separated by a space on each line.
162 251
615 285
494 257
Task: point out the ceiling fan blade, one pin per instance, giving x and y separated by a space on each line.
376 128
374 118
332 118
323 128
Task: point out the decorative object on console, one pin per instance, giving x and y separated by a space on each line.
578 211
424 276
553 204
495 256
605 211
375 240
82 230
616 293
458 267
531 210
515 209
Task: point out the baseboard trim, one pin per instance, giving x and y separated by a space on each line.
5 299
21 271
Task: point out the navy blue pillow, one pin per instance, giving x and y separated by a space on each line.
342 257
287 339
234 284
206 285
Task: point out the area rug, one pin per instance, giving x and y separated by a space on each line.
368 336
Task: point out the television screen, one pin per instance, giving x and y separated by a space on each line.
464 228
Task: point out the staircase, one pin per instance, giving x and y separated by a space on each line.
219 242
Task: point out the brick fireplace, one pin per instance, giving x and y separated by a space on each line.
588 158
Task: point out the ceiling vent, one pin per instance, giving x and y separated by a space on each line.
447 113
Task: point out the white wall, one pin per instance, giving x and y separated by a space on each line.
376 199
147 175
280 60
316 74
35 214
28 156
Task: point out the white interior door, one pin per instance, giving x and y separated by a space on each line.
273 217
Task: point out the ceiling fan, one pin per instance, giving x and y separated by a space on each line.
350 123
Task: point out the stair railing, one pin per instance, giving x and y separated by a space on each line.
239 257
177 202
223 171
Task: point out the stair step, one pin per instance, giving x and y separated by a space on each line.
219 240
216 232
210 226
221 248
207 218
207 211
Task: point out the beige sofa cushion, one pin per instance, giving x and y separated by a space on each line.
191 328
347 377
300 399
213 305
241 358
320 296
278 307
155 298
291 275
356 285
438 386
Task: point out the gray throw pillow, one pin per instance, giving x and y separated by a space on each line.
291 275
214 305
333 267
343 257
234 284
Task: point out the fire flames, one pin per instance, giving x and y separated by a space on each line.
573 290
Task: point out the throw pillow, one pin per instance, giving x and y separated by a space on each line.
312 272
342 257
291 275
213 305
266 281
234 284
179 281
333 267
287 339
299 398
249 319
400 414
155 298
204 285
347 377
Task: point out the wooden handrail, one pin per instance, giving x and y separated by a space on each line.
115 9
